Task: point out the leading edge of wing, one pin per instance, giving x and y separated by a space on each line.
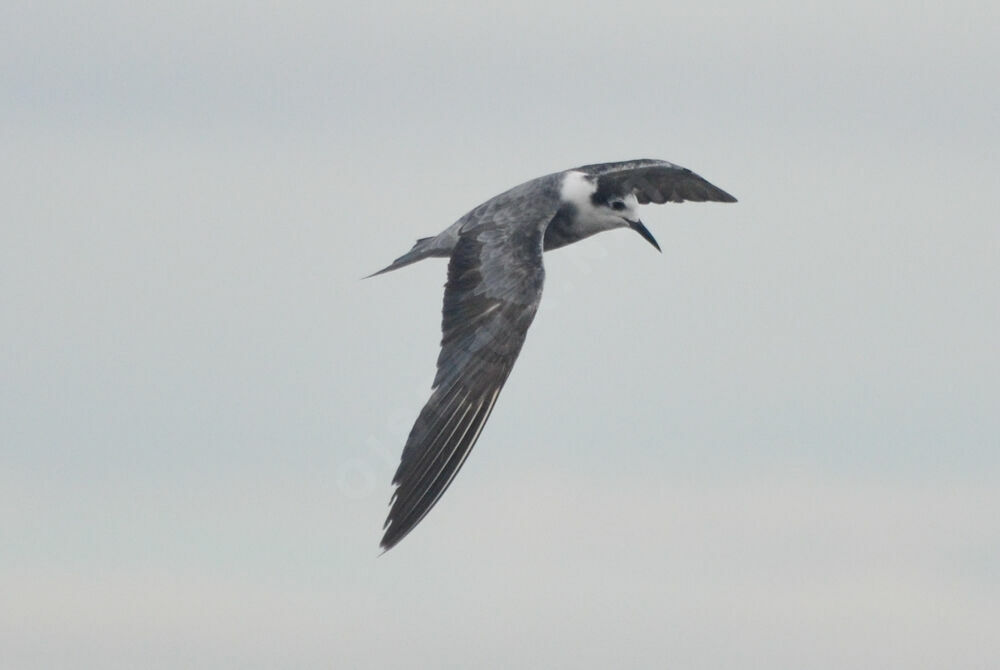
653 181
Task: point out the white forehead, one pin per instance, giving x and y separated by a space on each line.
577 188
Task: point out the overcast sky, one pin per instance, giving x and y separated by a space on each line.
775 445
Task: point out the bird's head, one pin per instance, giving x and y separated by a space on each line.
624 211
597 211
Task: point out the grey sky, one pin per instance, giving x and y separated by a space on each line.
774 445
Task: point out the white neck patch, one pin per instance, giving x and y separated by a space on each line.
588 219
577 188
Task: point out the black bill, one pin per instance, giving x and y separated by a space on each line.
644 231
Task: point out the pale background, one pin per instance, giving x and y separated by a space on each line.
776 445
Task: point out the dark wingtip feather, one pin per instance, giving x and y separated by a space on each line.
722 196
429 476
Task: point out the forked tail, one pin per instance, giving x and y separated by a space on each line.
421 250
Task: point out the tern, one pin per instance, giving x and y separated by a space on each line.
494 285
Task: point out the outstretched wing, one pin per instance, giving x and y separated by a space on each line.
494 285
653 181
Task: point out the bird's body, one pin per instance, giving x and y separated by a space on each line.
495 279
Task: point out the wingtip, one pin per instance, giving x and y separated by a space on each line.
722 196
388 541
392 531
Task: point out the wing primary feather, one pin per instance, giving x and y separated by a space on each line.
446 472
462 454
432 464
422 429
415 510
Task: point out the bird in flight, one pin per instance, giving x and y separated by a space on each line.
494 285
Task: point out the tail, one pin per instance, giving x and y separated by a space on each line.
420 251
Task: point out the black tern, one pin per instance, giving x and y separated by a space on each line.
494 285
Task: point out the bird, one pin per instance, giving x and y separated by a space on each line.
494 285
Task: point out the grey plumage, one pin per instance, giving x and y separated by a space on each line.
494 286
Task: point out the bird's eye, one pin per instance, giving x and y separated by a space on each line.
618 205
